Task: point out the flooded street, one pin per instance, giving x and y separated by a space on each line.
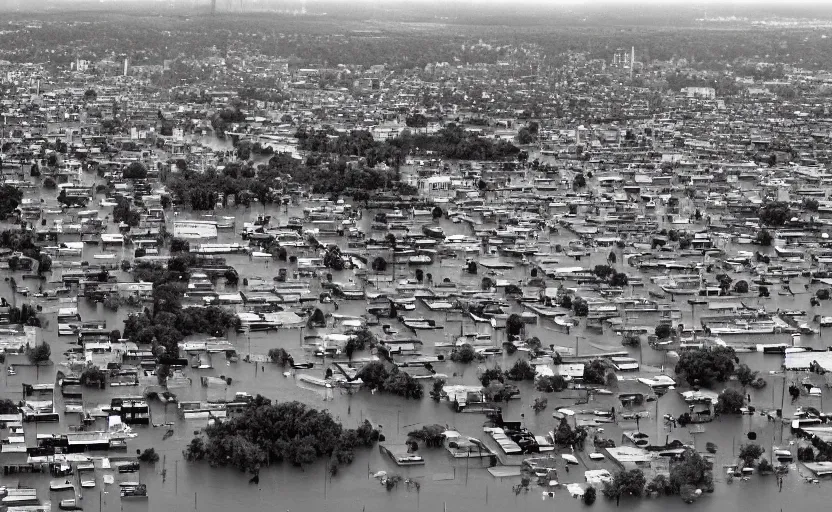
445 483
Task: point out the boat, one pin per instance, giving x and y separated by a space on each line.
783 455
69 504
419 259
61 485
569 459
128 467
419 323
433 232
133 490
317 381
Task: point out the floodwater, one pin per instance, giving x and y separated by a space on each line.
445 483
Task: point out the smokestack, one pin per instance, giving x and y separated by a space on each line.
632 60
125 66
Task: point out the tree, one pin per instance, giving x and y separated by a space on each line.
514 325
524 136
764 238
750 453
521 370
179 245
823 294
811 204
496 391
463 354
746 375
93 377
486 284
775 213
691 470
379 264
431 435
149 455
594 372
663 331
333 258
619 280
589 495
626 483
231 277
135 171
579 181
40 353
580 306
10 198
603 271
44 264
660 485
403 384
472 267
266 432
741 287
492 374
551 384
513 289
280 356
8 406
436 213
705 367
730 401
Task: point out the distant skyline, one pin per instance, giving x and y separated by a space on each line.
623 12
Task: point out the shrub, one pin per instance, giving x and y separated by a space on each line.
631 340
741 287
823 294
540 404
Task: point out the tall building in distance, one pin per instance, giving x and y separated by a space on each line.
623 59
620 58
